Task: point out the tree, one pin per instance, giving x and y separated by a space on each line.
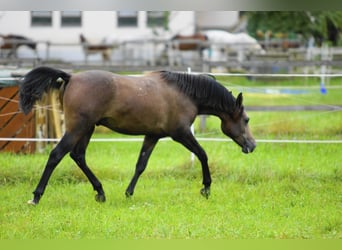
323 25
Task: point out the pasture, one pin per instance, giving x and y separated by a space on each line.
281 191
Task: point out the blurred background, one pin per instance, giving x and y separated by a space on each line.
221 40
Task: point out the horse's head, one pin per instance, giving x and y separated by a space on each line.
235 125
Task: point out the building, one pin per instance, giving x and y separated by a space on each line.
63 28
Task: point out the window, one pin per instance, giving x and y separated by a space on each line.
156 18
71 18
127 18
41 18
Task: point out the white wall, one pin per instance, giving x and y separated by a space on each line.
216 19
182 22
16 22
95 24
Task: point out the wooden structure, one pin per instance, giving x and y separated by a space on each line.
49 119
14 124
46 121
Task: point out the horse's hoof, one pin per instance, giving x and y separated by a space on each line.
32 202
128 194
100 198
205 192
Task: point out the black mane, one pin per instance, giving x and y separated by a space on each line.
204 90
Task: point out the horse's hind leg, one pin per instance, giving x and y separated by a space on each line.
63 147
145 152
78 155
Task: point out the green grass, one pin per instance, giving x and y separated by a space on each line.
280 191
281 82
264 93
312 97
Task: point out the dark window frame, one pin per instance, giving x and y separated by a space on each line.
41 18
127 19
71 18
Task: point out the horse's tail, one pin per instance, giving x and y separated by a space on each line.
38 81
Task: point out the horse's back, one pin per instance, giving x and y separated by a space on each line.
146 103
126 104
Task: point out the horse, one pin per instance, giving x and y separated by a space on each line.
158 104
192 43
104 49
13 42
224 43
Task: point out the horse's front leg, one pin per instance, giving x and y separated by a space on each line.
145 152
187 139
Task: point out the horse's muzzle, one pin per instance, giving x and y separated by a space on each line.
248 147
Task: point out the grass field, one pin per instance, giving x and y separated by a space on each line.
281 191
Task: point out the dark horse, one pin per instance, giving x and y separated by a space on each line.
13 42
156 105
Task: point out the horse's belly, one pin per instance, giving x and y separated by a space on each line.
133 125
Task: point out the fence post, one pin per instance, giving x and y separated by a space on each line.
324 56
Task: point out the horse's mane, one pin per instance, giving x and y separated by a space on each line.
203 89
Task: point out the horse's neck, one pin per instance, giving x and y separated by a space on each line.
203 110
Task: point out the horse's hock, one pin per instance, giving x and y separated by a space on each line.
46 121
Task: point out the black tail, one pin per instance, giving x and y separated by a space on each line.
38 81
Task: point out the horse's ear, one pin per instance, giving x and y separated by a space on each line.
238 109
238 103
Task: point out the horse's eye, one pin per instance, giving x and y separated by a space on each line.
246 120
